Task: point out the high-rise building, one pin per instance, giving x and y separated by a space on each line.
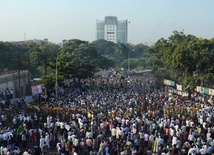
112 29
64 41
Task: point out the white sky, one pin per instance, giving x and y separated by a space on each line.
76 19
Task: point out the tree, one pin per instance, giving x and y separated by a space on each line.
120 53
9 57
180 55
42 57
105 48
79 59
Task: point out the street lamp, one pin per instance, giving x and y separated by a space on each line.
56 84
129 61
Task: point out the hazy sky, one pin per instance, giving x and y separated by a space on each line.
76 19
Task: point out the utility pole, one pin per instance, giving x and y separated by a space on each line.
56 85
46 72
129 61
28 74
19 94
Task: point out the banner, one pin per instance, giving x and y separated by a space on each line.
179 87
199 89
36 89
169 82
211 91
206 91
166 82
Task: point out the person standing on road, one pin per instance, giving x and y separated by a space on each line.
47 140
24 141
42 141
44 148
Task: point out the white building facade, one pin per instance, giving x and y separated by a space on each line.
112 30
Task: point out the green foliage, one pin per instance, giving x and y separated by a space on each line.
79 59
43 56
105 48
76 59
120 53
9 57
185 54
50 80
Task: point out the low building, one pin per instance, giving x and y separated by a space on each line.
15 84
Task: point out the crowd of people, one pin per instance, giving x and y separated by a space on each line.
111 114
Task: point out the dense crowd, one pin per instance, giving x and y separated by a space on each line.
111 114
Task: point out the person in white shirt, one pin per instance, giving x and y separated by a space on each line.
161 124
41 142
89 134
203 150
151 139
183 128
1 149
15 121
4 150
74 153
102 125
192 151
187 123
25 152
174 140
191 123
208 136
171 131
59 148
176 127
117 132
123 121
81 125
75 142
100 151
48 122
191 137
47 140
16 151
113 133
204 125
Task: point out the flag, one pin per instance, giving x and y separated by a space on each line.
20 129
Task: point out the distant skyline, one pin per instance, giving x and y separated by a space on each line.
150 20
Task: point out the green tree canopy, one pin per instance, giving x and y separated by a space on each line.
9 56
182 55
42 57
79 59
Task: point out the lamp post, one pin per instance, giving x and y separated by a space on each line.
56 84
19 94
129 61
